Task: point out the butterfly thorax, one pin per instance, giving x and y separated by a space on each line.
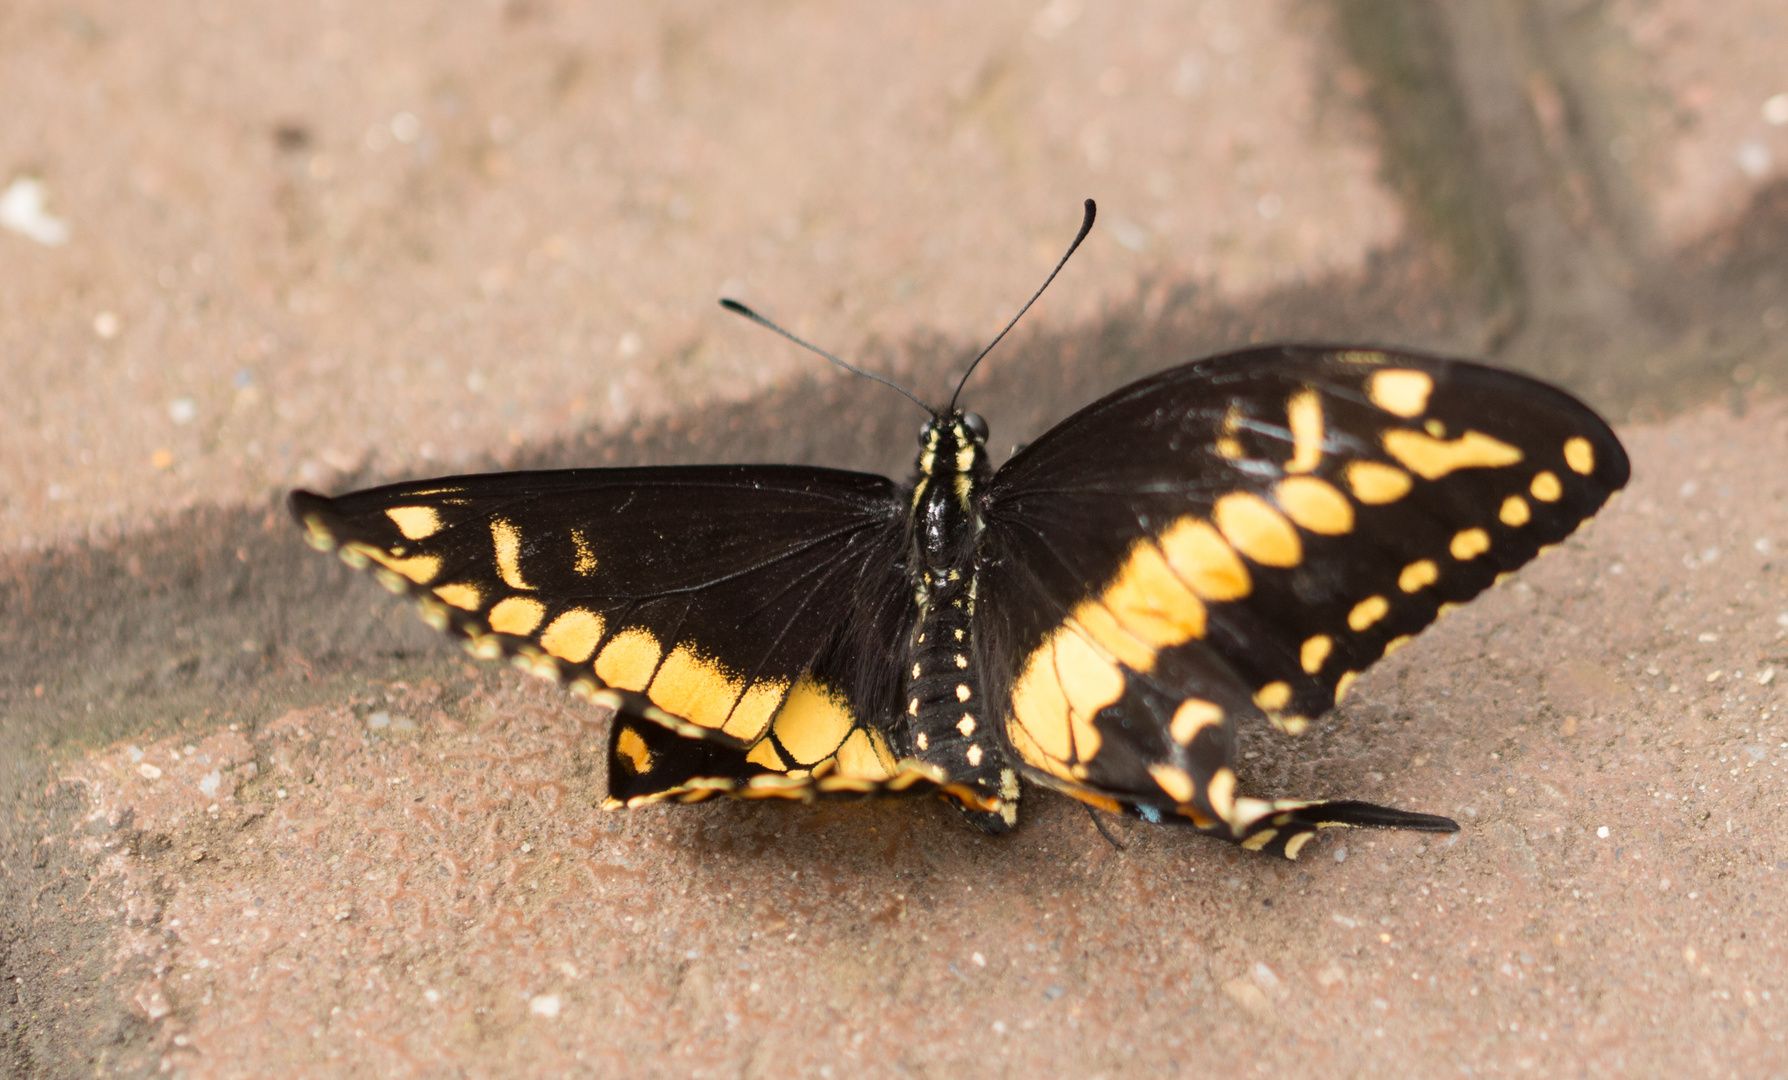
951 724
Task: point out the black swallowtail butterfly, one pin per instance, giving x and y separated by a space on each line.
1230 540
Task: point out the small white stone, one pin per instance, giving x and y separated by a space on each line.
1602 832
546 1005
148 771
980 961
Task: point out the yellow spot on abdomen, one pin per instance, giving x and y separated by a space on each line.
1469 544
415 522
1375 483
1418 575
1545 487
1400 391
517 615
627 661
1432 458
633 752
1205 561
1515 512
1193 716
506 540
1579 455
1258 531
1314 505
1367 612
813 722
1315 653
464 597
1174 782
573 635
1273 696
694 687
1304 414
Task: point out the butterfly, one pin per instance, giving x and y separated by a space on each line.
1230 541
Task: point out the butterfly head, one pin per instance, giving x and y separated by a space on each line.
953 443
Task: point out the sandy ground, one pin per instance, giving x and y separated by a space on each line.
262 822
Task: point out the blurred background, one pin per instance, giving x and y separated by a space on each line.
248 247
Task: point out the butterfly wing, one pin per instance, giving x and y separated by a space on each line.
1244 535
751 615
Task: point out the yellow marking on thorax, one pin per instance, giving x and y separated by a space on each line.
694 687
1205 561
1367 612
628 660
1400 391
813 722
1375 483
464 597
1315 653
1314 505
1579 455
1304 414
1257 530
1418 575
1433 458
1469 544
573 635
1174 781
633 751
1515 512
415 522
586 557
506 539
1193 716
1545 487
516 615
965 457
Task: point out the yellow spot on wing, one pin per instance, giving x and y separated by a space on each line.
516 615
1545 487
418 568
1375 483
415 522
1304 414
573 635
1361 356
1260 839
1400 391
857 758
1579 455
1095 620
1257 530
1344 684
1030 752
1433 458
1418 575
1205 561
813 722
1367 612
1193 715
694 687
1314 505
1272 696
1314 653
764 753
629 659
464 597
1515 512
1151 602
633 751
506 539
1469 544
586 558
1065 683
1296 844
1174 782
1221 792
751 716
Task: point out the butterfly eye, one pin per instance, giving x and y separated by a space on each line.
925 431
977 426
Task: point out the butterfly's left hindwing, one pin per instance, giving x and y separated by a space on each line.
750 615
1245 535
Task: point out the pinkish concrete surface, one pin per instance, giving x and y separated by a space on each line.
261 822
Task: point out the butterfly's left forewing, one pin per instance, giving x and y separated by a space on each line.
743 621
1244 536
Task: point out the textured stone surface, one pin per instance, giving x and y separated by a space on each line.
261 821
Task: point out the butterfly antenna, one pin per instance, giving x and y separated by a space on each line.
1086 226
740 309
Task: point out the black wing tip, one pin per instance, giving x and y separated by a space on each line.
303 503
